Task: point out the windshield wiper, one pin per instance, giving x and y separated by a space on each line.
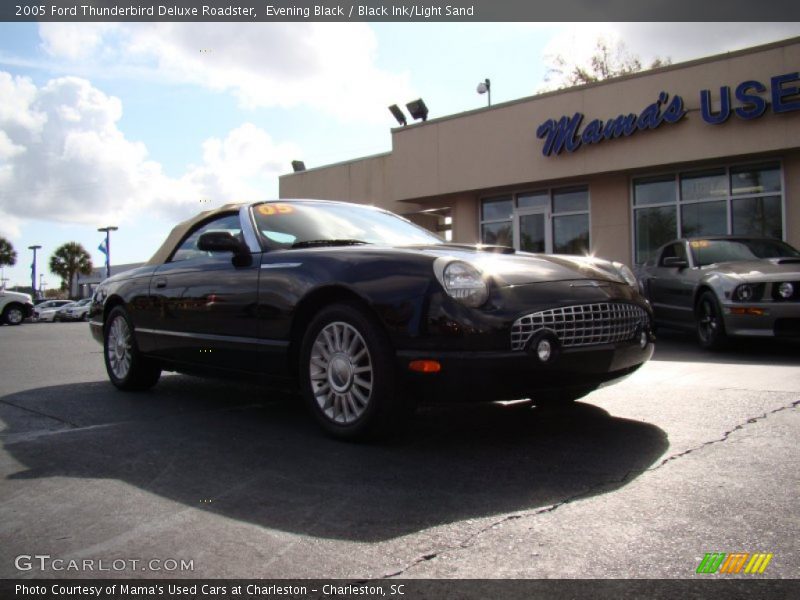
341 242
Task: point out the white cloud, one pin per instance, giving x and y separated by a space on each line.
65 40
330 67
63 158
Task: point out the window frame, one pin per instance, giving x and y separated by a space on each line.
551 214
728 198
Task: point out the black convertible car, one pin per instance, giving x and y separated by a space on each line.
368 313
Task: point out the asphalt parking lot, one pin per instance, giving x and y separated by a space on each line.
694 453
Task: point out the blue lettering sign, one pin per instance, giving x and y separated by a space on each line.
724 106
560 134
757 105
564 134
780 93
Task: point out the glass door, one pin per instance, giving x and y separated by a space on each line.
532 232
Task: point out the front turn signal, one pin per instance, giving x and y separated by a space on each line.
425 366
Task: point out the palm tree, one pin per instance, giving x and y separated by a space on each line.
8 256
68 260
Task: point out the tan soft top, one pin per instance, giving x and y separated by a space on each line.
181 229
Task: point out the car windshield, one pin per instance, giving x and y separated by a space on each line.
309 224
709 252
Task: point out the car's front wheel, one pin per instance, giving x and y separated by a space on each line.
13 314
127 368
347 374
710 326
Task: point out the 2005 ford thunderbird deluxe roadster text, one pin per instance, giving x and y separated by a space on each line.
368 313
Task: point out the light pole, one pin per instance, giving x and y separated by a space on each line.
41 284
107 252
33 269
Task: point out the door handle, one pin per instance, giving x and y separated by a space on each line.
161 283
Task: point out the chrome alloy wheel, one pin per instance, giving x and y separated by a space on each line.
118 348
341 374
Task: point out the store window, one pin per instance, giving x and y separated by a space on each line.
744 200
567 211
496 215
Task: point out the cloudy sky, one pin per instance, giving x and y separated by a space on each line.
142 125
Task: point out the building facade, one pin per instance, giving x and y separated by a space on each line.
615 168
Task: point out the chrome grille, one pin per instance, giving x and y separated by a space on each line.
581 325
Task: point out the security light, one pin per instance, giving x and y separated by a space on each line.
418 110
398 114
485 87
298 165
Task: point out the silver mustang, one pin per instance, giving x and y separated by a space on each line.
724 286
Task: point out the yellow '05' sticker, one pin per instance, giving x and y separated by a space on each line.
699 244
275 209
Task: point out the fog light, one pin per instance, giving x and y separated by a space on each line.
786 290
544 350
643 340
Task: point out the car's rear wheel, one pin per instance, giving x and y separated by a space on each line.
13 314
127 368
710 326
347 374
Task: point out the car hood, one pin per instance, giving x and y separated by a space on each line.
17 296
507 267
768 268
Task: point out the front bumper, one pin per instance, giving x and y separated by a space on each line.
778 319
490 376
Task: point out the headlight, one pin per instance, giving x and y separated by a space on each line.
786 290
625 273
461 281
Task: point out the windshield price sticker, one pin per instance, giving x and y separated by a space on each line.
275 209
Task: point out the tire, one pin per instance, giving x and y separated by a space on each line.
709 324
347 374
127 368
13 314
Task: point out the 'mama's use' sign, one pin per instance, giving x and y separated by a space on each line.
566 133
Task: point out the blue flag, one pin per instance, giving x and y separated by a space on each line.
102 247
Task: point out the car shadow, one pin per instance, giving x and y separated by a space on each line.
676 345
234 450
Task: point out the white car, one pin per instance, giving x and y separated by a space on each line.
46 311
77 311
14 307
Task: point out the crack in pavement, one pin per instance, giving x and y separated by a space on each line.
470 540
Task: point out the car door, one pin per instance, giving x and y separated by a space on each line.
671 286
206 302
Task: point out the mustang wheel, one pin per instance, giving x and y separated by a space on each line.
13 315
126 367
347 374
710 327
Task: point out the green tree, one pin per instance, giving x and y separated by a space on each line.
67 261
8 256
609 60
